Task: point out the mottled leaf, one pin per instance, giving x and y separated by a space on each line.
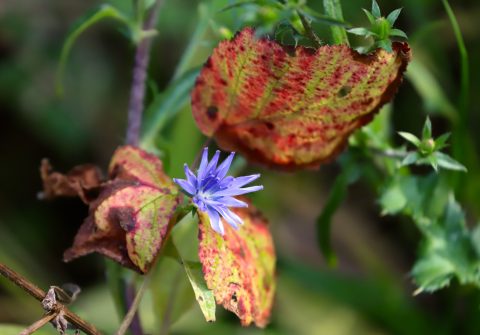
290 108
131 163
80 181
240 266
129 220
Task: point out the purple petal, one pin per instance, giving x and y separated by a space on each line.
189 188
223 168
190 176
228 201
203 165
244 180
238 191
232 219
211 167
215 221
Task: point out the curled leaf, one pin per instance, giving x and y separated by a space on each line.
291 108
129 220
78 182
240 266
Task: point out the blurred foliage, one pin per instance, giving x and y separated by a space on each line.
370 291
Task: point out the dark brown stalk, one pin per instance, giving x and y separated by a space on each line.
39 294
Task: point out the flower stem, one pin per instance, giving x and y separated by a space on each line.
134 307
137 92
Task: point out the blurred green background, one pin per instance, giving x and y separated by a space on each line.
369 292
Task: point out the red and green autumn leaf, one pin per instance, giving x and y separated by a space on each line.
291 108
239 267
129 219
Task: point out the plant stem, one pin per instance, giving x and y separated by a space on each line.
39 324
137 92
134 306
39 294
333 8
309 30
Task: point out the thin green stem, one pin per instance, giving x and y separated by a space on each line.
464 64
134 306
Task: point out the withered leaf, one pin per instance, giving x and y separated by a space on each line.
80 181
129 220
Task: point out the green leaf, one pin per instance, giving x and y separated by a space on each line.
392 17
369 15
385 44
427 129
165 106
448 162
361 32
441 141
410 138
86 21
349 175
448 251
398 33
393 199
435 100
376 9
432 273
204 296
411 158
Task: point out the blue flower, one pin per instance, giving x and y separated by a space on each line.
213 192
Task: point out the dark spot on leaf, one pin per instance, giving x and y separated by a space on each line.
270 125
212 112
343 91
123 216
234 297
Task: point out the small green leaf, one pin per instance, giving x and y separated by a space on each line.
393 199
398 33
369 15
411 158
392 17
385 44
432 273
86 21
410 138
441 142
376 9
361 32
448 163
204 296
433 161
427 129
